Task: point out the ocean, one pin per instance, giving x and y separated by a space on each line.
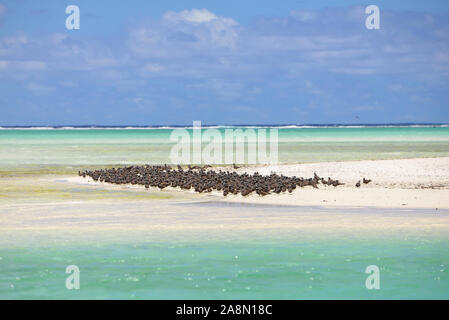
48 149
149 245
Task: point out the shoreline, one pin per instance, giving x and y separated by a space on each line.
405 183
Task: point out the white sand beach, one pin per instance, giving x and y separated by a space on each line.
407 183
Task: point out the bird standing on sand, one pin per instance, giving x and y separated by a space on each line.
365 181
357 185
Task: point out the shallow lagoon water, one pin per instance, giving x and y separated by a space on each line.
132 244
51 151
161 250
280 270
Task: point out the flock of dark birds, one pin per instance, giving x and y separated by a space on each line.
202 180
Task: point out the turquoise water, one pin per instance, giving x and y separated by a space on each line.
285 263
35 149
163 250
139 245
212 271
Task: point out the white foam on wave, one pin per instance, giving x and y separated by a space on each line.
224 127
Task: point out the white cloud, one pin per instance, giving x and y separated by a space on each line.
152 67
200 43
30 65
196 29
94 62
303 15
39 88
192 16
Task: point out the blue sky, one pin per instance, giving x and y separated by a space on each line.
223 62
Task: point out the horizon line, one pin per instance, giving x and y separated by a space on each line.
167 126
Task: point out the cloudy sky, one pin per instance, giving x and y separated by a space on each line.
223 62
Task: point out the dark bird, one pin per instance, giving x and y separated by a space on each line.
357 184
337 183
365 181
